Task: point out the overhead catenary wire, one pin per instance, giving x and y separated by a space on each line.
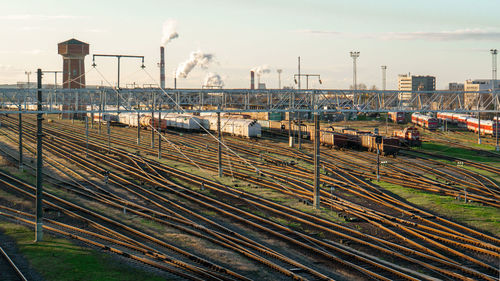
155 130
257 170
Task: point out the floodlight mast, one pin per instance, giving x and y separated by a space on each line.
354 56
279 77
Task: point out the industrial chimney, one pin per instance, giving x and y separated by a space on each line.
252 80
162 67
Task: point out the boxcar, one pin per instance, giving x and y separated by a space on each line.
389 146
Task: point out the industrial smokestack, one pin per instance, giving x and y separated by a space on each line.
252 80
162 67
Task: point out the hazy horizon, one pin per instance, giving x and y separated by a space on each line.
447 39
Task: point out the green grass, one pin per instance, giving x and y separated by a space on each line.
485 218
59 259
457 152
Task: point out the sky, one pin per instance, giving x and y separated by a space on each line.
447 39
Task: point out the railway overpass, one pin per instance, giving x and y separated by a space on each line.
108 100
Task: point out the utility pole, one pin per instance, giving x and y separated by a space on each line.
109 136
55 83
298 124
296 78
317 182
20 131
494 53
378 162
138 129
159 130
279 77
384 80
479 118
153 97
118 81
86 136
39 173
100 111
219 145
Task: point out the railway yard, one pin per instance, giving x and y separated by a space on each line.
432 215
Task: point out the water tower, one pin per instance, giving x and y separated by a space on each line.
73 52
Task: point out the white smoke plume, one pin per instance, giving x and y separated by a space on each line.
213 80
261 69
195 58
169 33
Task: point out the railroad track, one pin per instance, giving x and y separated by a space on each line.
8 269
187 175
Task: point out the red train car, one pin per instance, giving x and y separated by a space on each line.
424 121
488 127
409 136
397 117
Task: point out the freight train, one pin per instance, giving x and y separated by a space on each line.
361 140
338 137
237 126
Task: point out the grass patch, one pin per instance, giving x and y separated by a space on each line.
59 259
457 152
485 218
290 224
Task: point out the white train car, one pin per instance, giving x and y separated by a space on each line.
130 118
237 127
181 121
